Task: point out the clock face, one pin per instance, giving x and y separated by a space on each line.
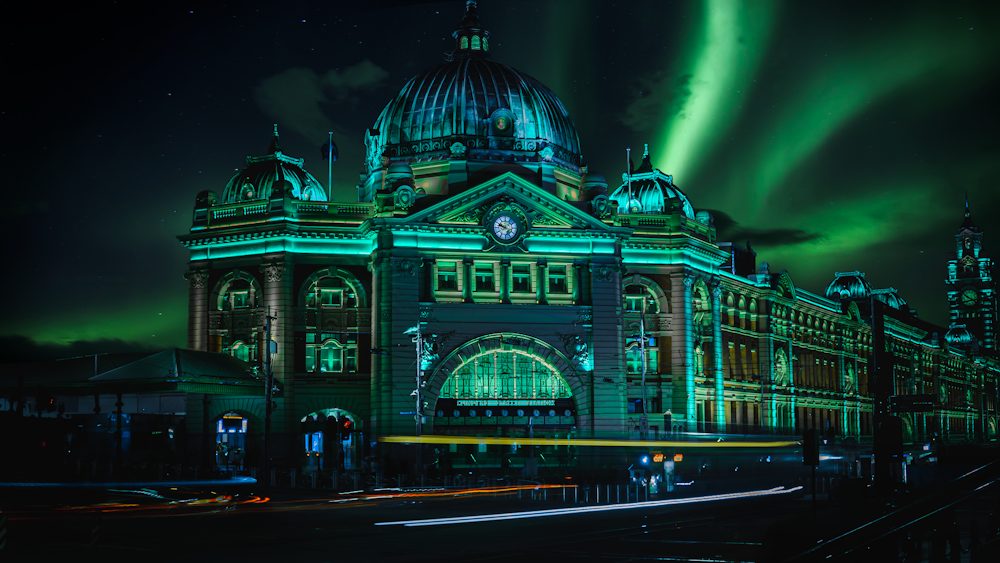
969 297
505 228
501 123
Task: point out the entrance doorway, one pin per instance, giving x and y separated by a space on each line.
230 441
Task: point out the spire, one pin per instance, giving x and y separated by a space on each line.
274 148
646 165
471 40
966 203
967 223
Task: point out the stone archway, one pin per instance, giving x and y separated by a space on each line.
511 370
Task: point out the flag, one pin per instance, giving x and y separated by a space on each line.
329 150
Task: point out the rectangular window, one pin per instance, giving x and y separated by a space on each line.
352 359
241 299
653 365
447 276
522 278
331 297
484 277
331 359
557 279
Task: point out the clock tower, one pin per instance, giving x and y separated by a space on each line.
972 298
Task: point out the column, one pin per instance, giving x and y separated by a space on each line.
505 281
581 289
278 299
468 283
428 289
543 283
720 396
682 355
197 309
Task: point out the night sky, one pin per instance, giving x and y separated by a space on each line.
832 135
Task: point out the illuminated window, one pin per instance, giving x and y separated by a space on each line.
636 296
475 43
496 374
241 351
333 356
331 297
484 277
241 299
465 43
486 46
557 279
447 276
522 278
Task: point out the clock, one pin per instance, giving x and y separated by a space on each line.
505 228
969 297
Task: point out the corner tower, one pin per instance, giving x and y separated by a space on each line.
972 299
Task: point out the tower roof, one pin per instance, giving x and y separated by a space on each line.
648 190
261 175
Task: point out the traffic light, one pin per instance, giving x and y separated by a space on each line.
346 427
810 447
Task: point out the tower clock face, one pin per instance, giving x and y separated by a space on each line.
969 297
505 228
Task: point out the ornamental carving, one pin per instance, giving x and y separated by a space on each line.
273 272
385 315
605 273
197 279
457 150
576 349
404 267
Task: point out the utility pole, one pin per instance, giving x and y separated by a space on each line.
644 424
268 386
418 416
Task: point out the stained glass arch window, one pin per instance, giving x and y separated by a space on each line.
505 374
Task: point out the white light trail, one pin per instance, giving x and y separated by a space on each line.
585 509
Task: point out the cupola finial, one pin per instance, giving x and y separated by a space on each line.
471 40
275 147
966 203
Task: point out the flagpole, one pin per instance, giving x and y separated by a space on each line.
329 170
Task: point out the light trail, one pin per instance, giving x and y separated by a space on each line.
586 509
581 442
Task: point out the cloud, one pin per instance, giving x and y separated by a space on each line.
294 97
17 349
729 230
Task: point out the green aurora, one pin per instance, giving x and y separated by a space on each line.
833 136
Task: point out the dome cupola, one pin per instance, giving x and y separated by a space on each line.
848 285
647 190
263 175
474 108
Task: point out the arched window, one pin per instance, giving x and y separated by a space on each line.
238 294
464 43
240 350
331 292
639 299
475 43
332 356
486 46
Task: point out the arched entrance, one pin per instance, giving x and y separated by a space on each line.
508 385
231 442
331 439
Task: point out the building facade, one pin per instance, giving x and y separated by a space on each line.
546 299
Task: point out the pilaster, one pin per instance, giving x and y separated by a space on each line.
197 309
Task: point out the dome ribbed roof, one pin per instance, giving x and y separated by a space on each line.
849 285
958 335
649 191
486 106
262 173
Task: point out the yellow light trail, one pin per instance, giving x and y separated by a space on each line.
581 442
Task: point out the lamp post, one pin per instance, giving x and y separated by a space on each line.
417 394
644 424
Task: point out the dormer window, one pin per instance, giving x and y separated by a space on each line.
475 43
486 46
464 44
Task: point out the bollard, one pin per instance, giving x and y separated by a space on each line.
587 500
576 495
3 530
545 494
357 480
274 477
95 530
336 480
618 488
564 493
598 494
607 493
313 476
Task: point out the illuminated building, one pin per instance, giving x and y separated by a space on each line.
529 278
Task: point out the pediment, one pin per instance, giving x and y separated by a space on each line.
545 210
